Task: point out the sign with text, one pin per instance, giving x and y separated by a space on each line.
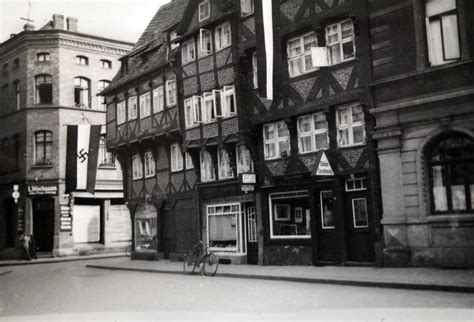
65 223
248 178
42 190
324 167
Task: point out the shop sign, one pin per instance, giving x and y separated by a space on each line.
65 220
247 182
42 190
324 167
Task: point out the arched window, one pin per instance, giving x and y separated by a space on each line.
82 92
44 89
450 161
43 147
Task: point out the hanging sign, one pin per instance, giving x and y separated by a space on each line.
247 182
324 167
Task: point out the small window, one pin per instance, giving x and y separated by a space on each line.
205 42
312 133
149 164
222 36
82 93
145 108
106 64
225 166
188 51
246 7
44 89
132 107
106 158
121 112
357 184
16 63
188 112
176 158
82 60
16 84
170 93
43 147
340 42
299 54
137 167
158 99
244 160
276 138
42 57
328 219
196 107
255 70
442 31
204 10
228 101
350 126
207 167
102 99
189 161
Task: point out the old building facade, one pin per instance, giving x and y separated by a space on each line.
50 79
423 90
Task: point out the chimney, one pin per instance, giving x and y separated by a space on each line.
71 24
29 27
12 35
58 22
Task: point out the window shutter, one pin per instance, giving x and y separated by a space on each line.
319 57
217 103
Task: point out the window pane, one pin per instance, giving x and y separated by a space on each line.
360 212
309 41
244 159
327 212
269 132
223 231
348 50
284 147
435 43
347 30
282 129
304 124
343 136
308 63
294 48
332 34
439 189
321 141
305 143
450 37
335 54
358 134
458 192
357 114
270 150
343 116
296 67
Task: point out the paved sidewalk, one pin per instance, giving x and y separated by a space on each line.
453 280
52 260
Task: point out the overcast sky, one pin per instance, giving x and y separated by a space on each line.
117 19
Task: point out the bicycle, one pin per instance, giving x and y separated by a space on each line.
200 254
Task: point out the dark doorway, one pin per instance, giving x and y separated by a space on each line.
186 224
11 214
43 223
252 236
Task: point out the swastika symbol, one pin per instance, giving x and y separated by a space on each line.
82 155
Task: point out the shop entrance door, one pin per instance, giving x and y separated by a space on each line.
43 223
359 230
252 237
328 225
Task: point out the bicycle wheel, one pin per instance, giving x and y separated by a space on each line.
189 264
128 251
211 262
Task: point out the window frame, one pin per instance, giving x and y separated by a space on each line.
350 126
82 60
45 78
43 57
207 52
366 213
275 141
237 154
251 4
105 64
301 56
137 166
221 167
239 226
101 85
103 152
188 51
121 108
176 158
219 36
149 164
47 141
188 161
312 133
145 108
87 81
225 109
132 106
340 41
158 99
170 92
202 166
200 11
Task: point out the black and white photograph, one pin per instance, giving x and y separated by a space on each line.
237 160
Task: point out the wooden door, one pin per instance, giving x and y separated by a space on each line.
252 234
43 223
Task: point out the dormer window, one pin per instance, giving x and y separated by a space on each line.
204 10
106 64
82 60
173 35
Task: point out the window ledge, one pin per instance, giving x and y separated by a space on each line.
351 146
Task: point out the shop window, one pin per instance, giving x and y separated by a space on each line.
106 64
299 54
146 229
43 57
246 7
244 160
451 171
44 89
170 93
158 99
121 112
356 184
359 213
224 227
312 133
102 99
145 105
340 42
189 161
205 42
132 107
82 60
106 158
289 215
225 167
16 85
442 31
350 126
204 10
207 167
137 167
276 140
222 36
82 93
176 158
43 147
149 164
188 51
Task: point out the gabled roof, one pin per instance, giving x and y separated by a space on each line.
153 42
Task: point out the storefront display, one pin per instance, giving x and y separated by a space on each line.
289 215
